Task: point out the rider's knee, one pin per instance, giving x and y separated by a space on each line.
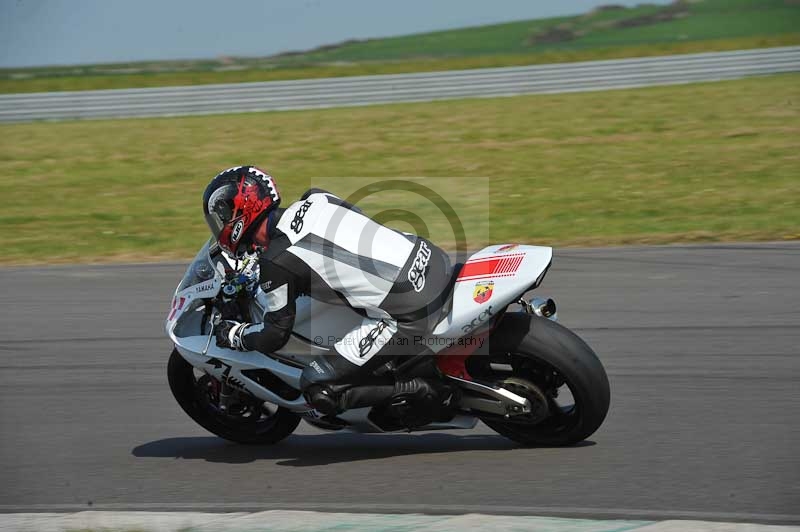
317 372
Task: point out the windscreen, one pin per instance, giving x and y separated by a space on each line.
201 269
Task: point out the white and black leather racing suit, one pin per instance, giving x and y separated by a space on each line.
325 248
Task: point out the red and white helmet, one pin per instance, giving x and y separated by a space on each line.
235 203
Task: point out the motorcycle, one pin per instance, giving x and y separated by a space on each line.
516 369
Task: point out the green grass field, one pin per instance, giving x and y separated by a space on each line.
704 162
684 27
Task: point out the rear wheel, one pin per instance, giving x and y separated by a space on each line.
556 371
247 421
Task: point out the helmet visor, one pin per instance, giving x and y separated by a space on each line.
215 223
220 209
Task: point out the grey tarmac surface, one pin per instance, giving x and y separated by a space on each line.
701 344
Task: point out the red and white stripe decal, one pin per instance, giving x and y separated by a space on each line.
493 266
176 306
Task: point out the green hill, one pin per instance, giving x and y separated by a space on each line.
607 32
607 26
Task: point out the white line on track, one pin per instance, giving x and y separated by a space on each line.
435 509
305 521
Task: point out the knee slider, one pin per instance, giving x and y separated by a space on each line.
318 371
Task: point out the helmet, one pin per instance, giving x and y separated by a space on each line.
235 203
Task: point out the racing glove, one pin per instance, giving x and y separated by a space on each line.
229 334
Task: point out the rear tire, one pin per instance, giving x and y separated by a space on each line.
534 347
193 400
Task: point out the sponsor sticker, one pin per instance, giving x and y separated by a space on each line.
297 221
314 364
236 234
416 274
483 291
208 285
366 343
478 320
507 247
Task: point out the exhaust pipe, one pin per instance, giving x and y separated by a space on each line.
544 308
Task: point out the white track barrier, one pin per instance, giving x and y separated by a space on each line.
395 88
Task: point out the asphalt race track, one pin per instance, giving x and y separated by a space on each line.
700 343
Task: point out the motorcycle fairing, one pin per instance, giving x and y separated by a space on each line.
203 279
509 270
512 270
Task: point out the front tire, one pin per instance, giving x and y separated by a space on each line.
256 425
549 357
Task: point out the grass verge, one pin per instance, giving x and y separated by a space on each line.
705 162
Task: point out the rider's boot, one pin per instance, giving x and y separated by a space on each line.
331 384
332 399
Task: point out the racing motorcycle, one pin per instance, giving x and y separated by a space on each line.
495 356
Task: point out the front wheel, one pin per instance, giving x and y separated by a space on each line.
552 367
249 422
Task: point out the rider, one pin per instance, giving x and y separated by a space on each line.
326 248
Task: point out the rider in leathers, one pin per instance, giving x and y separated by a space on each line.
323 247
